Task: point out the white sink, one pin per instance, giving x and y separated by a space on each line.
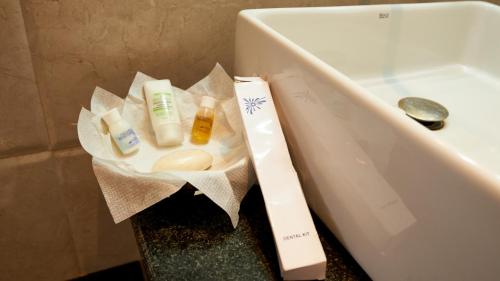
407 202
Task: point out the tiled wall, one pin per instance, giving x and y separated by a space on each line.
22 117
54 222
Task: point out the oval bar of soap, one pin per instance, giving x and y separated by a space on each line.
184 160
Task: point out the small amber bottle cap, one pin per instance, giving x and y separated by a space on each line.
208 101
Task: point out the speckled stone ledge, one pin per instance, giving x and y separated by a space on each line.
188 237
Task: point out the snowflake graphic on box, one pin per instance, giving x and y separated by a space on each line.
252 104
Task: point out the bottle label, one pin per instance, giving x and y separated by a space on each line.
126 140
163 106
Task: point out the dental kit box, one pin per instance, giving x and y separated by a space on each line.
301 256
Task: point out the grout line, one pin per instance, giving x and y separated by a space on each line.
49 126
23 152
71 150
61 182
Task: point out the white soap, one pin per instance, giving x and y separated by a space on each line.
184 160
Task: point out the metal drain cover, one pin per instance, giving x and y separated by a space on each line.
429 113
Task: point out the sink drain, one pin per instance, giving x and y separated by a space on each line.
427 112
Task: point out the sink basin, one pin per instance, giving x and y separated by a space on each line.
407 202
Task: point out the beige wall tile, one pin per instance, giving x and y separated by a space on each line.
22 124
77 45
100 243
35 236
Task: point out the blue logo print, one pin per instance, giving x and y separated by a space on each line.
252 104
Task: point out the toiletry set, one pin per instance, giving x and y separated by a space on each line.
142 174
166 123
300 253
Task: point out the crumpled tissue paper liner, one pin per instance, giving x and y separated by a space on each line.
127 183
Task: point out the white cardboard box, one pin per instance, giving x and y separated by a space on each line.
300 253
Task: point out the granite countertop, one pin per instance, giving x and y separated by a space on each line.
188 237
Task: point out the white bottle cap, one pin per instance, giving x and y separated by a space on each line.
208 101
169 134
112 116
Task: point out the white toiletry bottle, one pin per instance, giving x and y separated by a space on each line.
121 132
163 112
